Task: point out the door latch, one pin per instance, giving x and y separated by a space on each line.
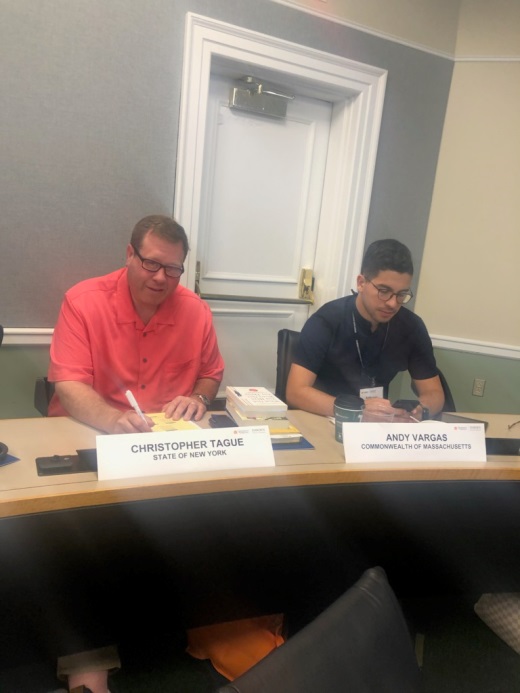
306 285
197 278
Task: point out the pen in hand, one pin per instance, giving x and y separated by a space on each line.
133 403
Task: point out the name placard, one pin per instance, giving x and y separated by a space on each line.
169 452
401 442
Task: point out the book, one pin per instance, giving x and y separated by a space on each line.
281 430
286 438
276 424
255 401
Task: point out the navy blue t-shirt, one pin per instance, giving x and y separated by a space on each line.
328 348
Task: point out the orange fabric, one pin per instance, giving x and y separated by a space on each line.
234 646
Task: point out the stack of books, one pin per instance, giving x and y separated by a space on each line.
257 406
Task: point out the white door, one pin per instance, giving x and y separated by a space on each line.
251 191
259 219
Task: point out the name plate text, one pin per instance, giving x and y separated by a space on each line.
170 452
401 442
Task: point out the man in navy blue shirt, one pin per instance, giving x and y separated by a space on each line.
357 344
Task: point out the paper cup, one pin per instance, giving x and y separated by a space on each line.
346 408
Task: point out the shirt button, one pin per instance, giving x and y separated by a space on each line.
143 387
145 360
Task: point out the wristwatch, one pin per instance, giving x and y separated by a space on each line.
425 413
205 400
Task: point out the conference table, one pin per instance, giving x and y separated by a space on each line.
214 545
23 492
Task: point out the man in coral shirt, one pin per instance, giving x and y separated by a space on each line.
136 329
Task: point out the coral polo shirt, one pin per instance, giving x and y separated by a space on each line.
100 340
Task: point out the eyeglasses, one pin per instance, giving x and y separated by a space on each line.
172 271
385 293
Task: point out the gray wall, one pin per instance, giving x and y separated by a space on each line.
89 136
89 110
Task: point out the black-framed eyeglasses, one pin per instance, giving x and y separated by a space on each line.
385 293
173 271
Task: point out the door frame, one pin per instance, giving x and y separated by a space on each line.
357 93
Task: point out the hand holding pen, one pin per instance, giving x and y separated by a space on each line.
148 423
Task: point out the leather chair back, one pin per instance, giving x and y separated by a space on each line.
361 643
449 402
287 342
43 392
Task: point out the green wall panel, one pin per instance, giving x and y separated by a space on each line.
502 376
21 365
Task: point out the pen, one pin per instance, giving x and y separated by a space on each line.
133 403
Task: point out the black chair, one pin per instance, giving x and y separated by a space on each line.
43 392
287 342
449 402
361 643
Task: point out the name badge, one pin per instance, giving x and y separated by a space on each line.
414 442
367 392
129 455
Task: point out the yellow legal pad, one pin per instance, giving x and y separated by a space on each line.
161 423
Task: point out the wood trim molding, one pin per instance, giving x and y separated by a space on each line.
476 347
357 93
19 336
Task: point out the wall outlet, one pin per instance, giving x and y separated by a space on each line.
478 387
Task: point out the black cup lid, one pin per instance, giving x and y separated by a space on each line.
349 401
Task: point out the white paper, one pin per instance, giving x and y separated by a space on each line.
401 442
170 452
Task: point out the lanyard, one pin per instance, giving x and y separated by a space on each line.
354 325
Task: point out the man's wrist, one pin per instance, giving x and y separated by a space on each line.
203 398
